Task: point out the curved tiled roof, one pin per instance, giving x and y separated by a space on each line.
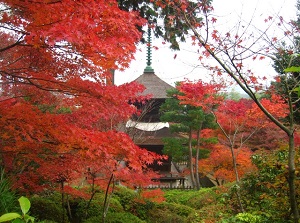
154 85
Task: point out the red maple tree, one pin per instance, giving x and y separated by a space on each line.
59 117
238 121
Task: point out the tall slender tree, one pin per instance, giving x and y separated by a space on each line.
190 120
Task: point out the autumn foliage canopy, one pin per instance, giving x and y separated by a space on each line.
60 115
242 128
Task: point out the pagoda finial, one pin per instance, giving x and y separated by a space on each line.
148 68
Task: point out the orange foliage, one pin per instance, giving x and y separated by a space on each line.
154 195
275 105
220 163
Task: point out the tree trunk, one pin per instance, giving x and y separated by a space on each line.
234 164
197 159
238 194
107 197
92 195
292 177
62 200
191 159
69 208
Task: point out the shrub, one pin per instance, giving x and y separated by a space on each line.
44 208
265 191
172 212
122 217
96 207
215 212
197 199
132 202
141 210
245 218
210 204
8 199
125 196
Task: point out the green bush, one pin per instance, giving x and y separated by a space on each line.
210 204
172 212
122 217
8 199
215 212
130 201
265 191
180 196
245 218
96 207
193 198
126 197
47 221
44 208
141 210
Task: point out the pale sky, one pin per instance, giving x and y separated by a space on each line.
185 65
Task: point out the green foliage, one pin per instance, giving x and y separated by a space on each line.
184 117
24 205
265 191
53 109
172 212
249 218
16 217
287 65
64 110
126 197
195 199
141 210
173 30
176 149
47 221
96 207
210 204
295 87
292 69
244 218
9 217
48 208
264 194
8 199
122 217
46 108
131 202
214 212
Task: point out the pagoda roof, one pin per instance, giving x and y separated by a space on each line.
154 85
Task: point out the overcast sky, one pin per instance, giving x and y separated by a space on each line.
185 64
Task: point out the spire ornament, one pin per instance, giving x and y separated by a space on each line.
148 68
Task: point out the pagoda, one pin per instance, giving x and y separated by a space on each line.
146 130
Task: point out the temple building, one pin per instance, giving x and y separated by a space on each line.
146 130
